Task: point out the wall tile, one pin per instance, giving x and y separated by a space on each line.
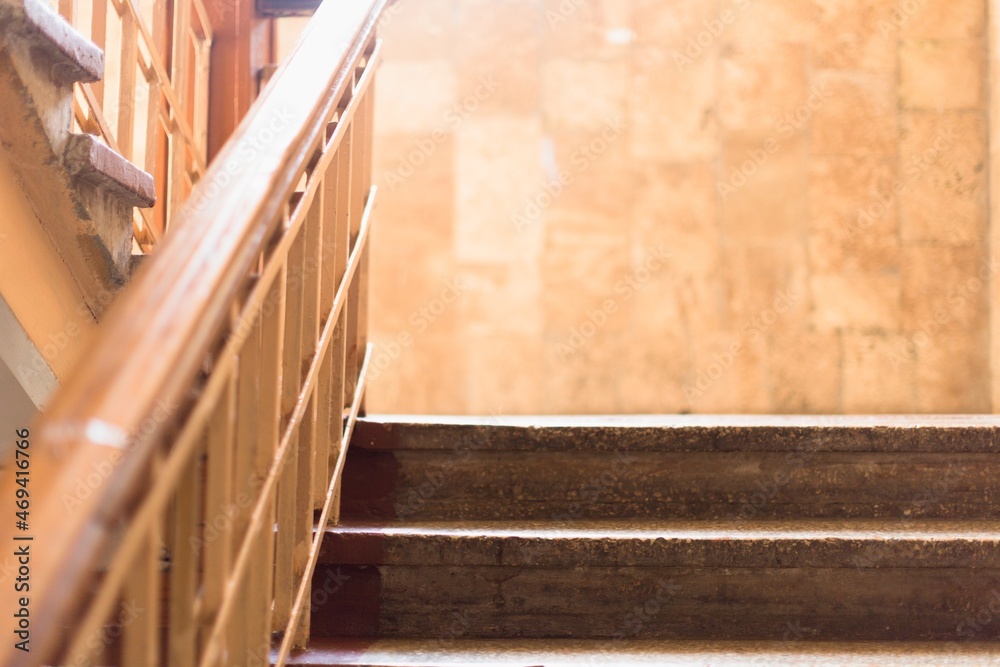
855 34
672 29
579 374
497 174
728 374
585 95
944 286
855 113
415 174
768 21
805 372
418 30
877 378
942 74
767 286
659 305
498 55
760 85
501 298
672 116
422 92
855 302
425 377
676 206
763 188
586 29
941 19
703 305
853 221
593 267
653 376
949 370
588 171
943 156
502 373
398 296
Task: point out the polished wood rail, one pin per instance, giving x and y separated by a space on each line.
176 478
152 105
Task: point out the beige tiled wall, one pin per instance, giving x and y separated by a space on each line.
681 205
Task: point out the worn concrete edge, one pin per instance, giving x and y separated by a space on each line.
854 433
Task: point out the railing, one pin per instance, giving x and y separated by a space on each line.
172 487
152 105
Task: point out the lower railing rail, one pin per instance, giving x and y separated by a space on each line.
175 481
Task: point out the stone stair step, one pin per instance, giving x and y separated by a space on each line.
428 485
56 46
89 159
450 652
82 192
672 467
843 580
682 433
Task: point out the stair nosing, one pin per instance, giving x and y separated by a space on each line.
77 58
792 529
91 160
669 545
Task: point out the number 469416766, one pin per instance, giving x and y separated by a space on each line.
22 462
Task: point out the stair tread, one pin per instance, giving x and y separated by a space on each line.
798 529
668 544
73 57
89 159
847 433
701 419
626 653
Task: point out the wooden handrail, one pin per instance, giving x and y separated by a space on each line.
126 425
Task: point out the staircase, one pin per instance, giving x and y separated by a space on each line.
663 540
210 407
83 192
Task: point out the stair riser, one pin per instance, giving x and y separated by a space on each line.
685 433
435 485
720 548
449 603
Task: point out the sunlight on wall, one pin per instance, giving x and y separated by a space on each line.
732 206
